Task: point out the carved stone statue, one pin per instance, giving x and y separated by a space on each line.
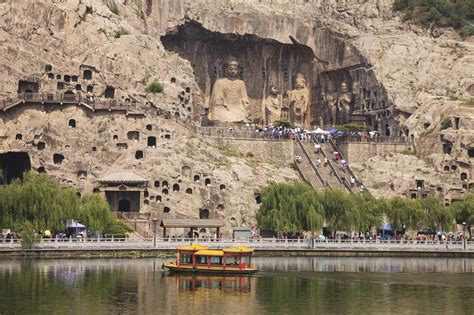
273 106
330 109
344 102
229 101
285 109
299 101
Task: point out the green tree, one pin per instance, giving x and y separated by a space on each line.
436 216
463 211
37 203
404 213
339 212
95 213
289 208
368 211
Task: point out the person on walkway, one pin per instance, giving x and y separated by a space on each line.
318 162
353 181
326 162
317 148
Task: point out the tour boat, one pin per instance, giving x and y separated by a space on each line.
200 259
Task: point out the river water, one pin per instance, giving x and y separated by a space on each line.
289 285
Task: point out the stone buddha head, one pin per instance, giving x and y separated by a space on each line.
300 82
231 67
344 87
273 90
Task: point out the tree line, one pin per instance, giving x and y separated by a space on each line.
37 203
296 207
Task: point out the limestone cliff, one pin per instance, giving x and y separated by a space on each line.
404 82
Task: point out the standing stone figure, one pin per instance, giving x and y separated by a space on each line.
344 102
330 109
273 106
299 101
229 101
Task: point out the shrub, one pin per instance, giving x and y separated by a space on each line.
249 155
114 9
352 127
446 123
447 13
48 68
154 87
120 33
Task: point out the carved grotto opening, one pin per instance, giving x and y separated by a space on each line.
262 61
203 214
335 72
13 165
58 158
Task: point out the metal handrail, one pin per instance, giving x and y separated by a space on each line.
310 162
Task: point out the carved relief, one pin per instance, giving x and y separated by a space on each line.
273 106
229 101
299 101
344 104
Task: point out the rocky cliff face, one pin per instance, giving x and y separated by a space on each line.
402 79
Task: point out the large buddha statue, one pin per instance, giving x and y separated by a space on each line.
344 103
273 106
299 101
229 101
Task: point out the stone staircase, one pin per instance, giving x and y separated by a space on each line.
345 176
329 179
307 169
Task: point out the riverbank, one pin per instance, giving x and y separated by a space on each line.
169 253
71 248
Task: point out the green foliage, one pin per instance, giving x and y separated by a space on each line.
95 213
463 211
37 203
290 208
458 14
352 127
249 155
114 9
119 230
282 124
295 207
436 216
120 33
154 87
48 68
446 123
338 210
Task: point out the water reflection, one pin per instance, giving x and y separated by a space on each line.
197 283
284 285
365 264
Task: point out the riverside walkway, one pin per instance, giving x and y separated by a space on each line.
271 244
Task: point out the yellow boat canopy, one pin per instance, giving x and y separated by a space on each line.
238 249
192 247
209 252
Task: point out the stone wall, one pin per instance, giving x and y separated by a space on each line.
358 152
277 151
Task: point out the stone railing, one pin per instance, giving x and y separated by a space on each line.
271 244
67 98
133 216
374 139
224 132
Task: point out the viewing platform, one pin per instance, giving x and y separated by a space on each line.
91 103
342 247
